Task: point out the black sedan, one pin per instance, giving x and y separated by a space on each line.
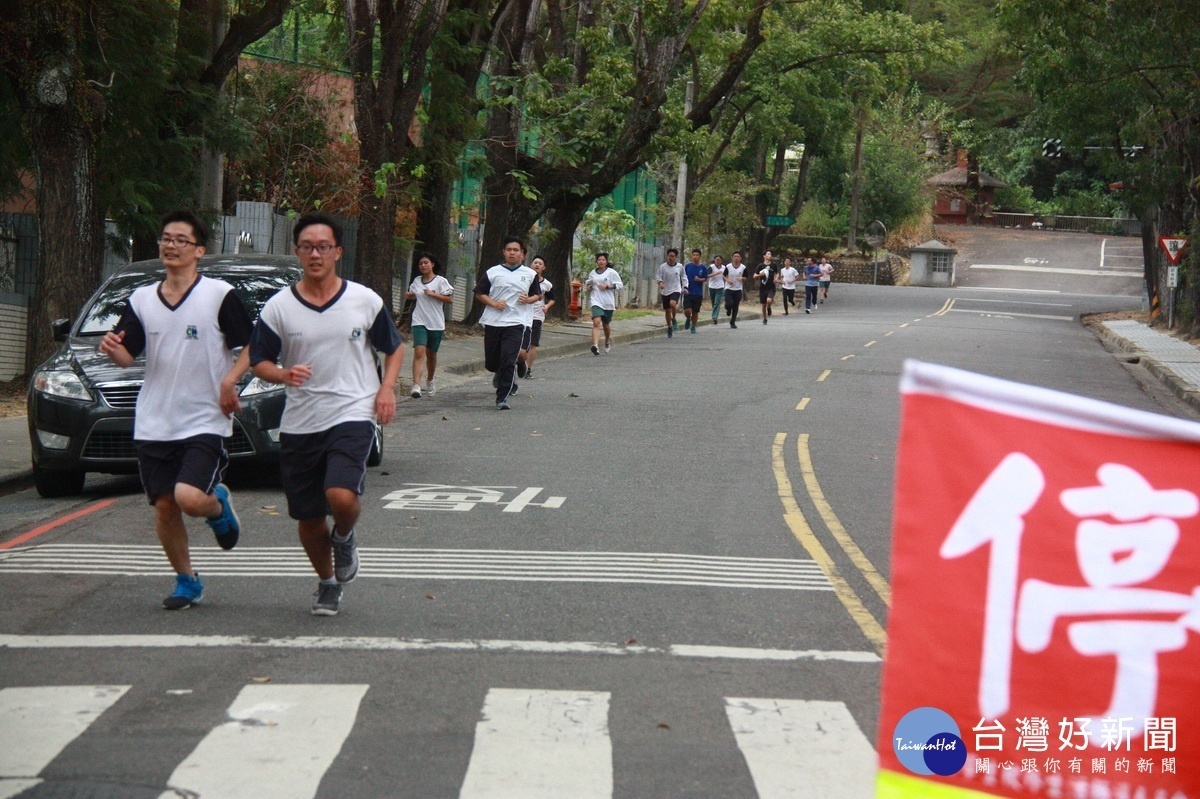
81 404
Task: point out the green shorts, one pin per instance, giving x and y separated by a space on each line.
429 339
598 312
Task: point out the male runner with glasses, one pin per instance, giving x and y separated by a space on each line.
188 325
321 332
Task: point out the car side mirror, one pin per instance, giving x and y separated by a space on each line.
61 328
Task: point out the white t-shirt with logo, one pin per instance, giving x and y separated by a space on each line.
430 313
539 308
672 278
602 288
789 275
734 276
502 283
716 276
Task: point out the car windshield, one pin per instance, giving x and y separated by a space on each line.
255 285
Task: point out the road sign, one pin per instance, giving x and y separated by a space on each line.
780 221
1052 148
1172 277
1173 246
1042 631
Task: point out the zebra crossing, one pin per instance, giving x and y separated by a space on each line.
280 739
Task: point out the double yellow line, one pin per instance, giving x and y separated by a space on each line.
800 528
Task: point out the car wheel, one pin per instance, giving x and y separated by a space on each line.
58 483
376 456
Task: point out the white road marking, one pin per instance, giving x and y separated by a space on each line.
803 749
1017 291
533 744
38 723
1021 302
1010 314
1060 270
641 568
379 644
280 741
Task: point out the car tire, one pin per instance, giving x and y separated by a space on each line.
64 483
376 455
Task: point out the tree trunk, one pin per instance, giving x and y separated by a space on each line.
559 269
62 117
856 185
376 244
434 216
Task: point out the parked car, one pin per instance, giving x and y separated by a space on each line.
81 404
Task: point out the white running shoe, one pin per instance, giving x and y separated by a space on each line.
430 388
608 346
416 392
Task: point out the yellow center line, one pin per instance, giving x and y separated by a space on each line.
872 575
869 344
804 534
847 357
803 403
824 375
945 308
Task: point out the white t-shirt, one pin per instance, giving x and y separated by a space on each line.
602 288
789 275
826 272
428 312
734 276
336 340
502 283
671 277
716 276
539 308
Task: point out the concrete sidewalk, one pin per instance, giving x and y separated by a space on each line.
1174 362
461 357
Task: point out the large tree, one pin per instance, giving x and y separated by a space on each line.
114 99
389 42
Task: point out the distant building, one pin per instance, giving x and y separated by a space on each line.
963 194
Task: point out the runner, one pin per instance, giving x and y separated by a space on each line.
695 275
812 275
767 275
432 294
323 333
826 277
735 277
716 285
603 283
509 290
788 277
188 326
539 316
670 288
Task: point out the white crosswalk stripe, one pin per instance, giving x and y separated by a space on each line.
647 568
281 739
36 724
541 745
801 749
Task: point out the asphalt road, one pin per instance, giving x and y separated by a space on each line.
607 591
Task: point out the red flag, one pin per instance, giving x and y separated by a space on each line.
1046 596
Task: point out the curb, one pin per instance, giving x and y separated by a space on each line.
1119 345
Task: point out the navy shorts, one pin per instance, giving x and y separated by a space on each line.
198 461
535 336
692 302
667 299
311 463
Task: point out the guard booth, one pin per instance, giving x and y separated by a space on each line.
932 264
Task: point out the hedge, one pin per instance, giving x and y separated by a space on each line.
804 245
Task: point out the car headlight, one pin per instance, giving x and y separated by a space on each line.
61 383
259 386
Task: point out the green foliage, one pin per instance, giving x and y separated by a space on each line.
793 245
818 220
610 230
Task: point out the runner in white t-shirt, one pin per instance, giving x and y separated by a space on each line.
529 354
735 276
670 288
432 293
602 284
188 326
716 285
788 277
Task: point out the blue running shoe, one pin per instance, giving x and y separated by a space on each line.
226 526
188 591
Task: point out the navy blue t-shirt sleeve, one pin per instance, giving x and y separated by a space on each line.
131 326
265 344
483 285
535 288
383 335
547 296
234 321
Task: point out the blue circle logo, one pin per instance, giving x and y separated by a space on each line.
927 741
